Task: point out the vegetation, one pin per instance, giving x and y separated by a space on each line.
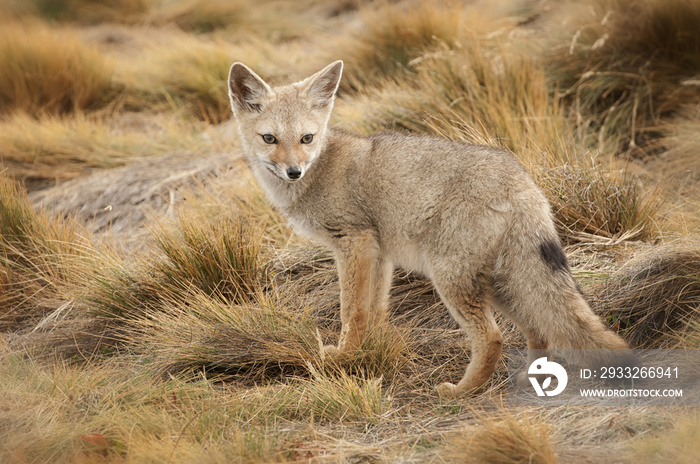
49 70
191 331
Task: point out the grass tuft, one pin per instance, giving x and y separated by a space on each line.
508 440
655 297
391 37
220 257
591 205
38 258
50 71
254 341
344 398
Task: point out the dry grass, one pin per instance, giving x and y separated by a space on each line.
38 258
199 15
85 11
505 440
192 16
680 445
592 205
106 413
49 70
190 74
221 258
391 37
622 67
680 163
50 149
654 299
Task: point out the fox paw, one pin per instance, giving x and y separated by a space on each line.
447 390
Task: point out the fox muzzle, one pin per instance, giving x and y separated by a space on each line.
293 173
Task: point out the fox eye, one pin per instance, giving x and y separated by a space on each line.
308 138
269 138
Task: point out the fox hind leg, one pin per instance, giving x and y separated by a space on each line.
537 347
471 308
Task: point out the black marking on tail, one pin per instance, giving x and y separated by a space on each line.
552 254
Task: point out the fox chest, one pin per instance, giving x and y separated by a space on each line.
313 228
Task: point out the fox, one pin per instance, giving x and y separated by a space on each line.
468 217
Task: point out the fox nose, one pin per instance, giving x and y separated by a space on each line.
294 172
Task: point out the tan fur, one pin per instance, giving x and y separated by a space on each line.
469 217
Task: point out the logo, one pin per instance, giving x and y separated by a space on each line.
541 367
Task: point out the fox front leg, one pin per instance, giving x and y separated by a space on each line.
365 278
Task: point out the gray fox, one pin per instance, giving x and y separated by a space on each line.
468 217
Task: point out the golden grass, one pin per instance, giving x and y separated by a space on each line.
680 445
391 37
200 15
86 11
505 440
221 258
680 163
50 149
39 257
345 398
655 295
470 94
109 414
598 206
49 70
190 74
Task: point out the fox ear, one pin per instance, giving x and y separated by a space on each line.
245 88
322 86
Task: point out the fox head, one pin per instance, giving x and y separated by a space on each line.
283 128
